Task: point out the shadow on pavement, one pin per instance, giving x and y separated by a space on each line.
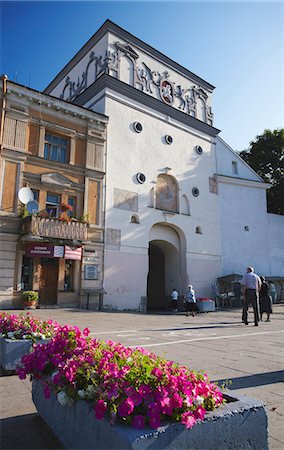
28 432
259 379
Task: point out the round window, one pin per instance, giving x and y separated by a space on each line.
140 177
169 140
137 127
195 192
199 150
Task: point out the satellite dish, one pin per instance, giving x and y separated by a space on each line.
32 207
25 195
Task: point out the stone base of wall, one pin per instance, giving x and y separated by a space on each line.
240 424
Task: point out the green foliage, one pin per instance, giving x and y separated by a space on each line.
23 212
266 156
30 296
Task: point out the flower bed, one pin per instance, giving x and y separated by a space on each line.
130 386
241 423
18 333
26 327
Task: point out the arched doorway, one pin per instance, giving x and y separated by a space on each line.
167 268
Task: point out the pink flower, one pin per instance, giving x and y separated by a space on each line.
138 422
199 413
126 407
86 332
157 373
21 373
187 419
100 409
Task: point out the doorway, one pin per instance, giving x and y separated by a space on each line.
167 265
156 278
48 281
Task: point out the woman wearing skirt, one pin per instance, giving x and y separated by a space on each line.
190 301
265 301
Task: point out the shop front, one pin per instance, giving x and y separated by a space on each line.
53 271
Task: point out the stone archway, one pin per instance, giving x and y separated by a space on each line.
167 266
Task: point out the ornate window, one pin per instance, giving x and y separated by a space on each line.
56 148
167 193
53 204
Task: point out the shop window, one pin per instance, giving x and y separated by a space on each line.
69 275
27 274
53 204
56 148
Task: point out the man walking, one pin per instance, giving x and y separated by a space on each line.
251 285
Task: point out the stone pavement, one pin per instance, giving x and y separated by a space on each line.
218 343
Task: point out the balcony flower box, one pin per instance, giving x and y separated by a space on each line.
240 423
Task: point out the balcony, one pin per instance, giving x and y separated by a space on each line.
54 228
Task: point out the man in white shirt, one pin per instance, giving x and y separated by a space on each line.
251 285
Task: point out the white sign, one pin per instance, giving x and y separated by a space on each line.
58 251
91 272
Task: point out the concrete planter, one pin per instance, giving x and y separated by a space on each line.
205 306
240 424
12 350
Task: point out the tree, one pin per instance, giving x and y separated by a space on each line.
266 156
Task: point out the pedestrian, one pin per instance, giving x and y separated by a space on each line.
265 300
190 301
174 299
251 285
272 291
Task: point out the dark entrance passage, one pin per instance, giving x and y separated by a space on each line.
48 281
156 279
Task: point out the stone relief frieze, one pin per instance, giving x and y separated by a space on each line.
145 79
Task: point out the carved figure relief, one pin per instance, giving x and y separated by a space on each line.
167 193
190 99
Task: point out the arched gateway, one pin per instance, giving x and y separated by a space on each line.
167 264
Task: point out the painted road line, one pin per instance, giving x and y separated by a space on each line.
115 332
208 338
141 339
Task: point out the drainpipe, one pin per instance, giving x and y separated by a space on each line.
4 79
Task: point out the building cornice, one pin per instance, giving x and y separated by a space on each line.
50 102
107 82
241 182
109 26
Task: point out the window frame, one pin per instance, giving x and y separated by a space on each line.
50 146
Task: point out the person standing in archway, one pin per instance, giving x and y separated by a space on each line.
174 299
190 301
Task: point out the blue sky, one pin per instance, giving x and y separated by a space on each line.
237 47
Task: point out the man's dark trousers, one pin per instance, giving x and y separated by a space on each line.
250 298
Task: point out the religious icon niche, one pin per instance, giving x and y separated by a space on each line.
167 193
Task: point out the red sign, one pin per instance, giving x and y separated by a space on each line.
44 250
73 252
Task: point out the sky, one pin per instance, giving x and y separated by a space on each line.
236 46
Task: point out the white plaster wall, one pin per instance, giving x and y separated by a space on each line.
224 157
128 153
276 244
242 206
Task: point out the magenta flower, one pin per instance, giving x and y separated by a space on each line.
126 407
187 419
100 409
86 332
